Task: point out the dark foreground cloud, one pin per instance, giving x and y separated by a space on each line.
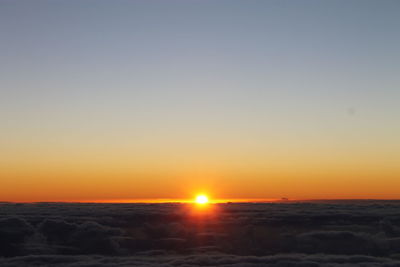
364 233
281 260
13 233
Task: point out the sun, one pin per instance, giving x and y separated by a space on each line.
202 199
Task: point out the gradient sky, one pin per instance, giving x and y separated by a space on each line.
164 99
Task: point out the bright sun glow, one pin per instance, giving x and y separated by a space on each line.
201 199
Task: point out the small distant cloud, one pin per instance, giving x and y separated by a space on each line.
351 111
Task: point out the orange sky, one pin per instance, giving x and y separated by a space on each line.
79 179
80 164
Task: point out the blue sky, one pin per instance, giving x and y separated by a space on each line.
253 80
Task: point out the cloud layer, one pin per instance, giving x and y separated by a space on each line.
249 234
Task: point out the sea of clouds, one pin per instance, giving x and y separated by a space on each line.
330 233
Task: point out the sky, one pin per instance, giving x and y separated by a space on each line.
106 100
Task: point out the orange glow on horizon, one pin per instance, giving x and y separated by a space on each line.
159 201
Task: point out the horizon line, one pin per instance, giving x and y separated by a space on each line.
213 201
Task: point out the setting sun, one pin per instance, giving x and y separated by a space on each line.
201 199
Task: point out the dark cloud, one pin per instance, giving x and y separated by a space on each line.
13 233
338 242
212 259
57 231
250 234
